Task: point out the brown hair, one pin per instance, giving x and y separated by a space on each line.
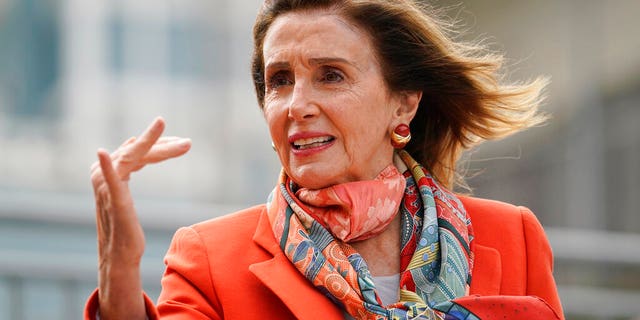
463 101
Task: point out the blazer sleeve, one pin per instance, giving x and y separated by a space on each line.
188 291
187 288
92 306
540 281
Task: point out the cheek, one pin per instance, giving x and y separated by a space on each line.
278 133
273 117
367 137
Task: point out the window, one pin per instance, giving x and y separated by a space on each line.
165 47
29 57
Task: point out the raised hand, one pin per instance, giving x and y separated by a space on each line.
120 236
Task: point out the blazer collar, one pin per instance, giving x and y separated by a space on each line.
283 279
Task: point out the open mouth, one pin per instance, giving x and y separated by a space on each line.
302 144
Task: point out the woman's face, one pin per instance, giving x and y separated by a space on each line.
327 106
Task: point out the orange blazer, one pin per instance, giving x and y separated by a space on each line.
231 267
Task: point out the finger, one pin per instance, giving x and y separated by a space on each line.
115 154
128 142
123 148
148 138
163 149
169 139
109 174
94 167
96 164
161 152
97 180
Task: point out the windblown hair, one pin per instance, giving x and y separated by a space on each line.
464 101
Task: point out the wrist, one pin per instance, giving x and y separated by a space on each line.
120 293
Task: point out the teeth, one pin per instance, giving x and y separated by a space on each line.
311 142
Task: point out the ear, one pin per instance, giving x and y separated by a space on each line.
408 102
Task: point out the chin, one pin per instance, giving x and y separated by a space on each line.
312 184
312 180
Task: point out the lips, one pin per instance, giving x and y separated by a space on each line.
308 143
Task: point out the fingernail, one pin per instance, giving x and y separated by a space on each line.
183 142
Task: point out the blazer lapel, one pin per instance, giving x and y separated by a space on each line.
306 302
283 279
487 271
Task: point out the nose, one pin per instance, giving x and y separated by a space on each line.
302 105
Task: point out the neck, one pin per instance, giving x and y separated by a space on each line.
382 252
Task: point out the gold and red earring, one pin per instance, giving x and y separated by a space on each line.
400 136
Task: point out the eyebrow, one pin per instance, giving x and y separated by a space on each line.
277 65
323 60
313 61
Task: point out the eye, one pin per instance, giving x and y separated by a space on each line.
278 79
332 75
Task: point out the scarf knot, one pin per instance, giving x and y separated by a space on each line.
358 210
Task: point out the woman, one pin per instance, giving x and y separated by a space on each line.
352 92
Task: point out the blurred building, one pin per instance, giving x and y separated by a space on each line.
580 172
77 75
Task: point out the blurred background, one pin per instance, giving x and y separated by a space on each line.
76 75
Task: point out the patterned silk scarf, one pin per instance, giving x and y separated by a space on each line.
436 259
356 210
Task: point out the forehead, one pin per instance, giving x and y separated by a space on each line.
315 32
